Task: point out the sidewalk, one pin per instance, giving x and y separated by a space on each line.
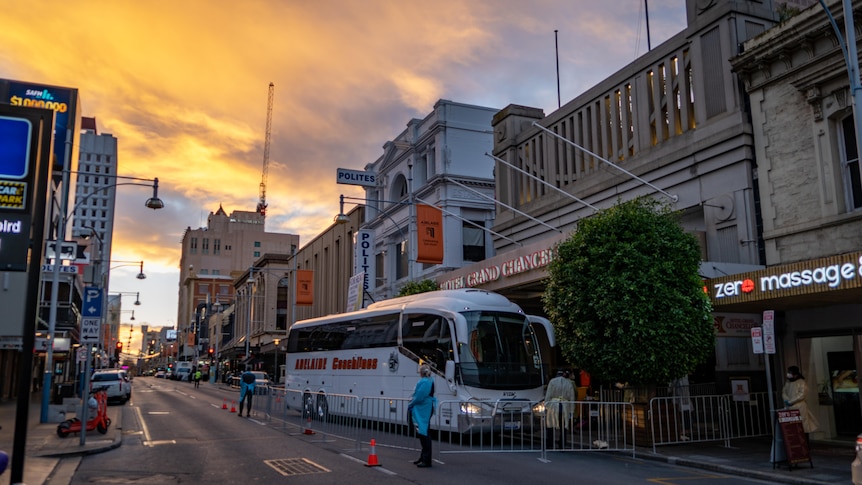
45 448
751 458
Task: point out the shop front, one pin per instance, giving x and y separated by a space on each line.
818 327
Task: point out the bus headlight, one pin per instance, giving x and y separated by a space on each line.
469 408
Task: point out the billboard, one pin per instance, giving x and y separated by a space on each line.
62 101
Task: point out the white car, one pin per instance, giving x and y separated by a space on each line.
117 383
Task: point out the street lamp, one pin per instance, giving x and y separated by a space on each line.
153 203
276 373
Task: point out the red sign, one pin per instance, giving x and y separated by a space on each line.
795 444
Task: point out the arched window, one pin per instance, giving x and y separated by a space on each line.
399 188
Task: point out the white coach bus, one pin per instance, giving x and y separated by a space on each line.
481 346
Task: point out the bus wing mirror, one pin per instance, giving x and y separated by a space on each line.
450 374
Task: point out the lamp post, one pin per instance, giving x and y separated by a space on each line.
276 373
153 203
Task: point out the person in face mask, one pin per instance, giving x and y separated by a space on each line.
794 394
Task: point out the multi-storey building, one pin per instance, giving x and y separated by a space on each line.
95 190
673 124
808 173
439 160
214 256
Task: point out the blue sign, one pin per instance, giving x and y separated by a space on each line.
92 302
14 147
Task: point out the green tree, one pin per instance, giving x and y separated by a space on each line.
626 298
414 287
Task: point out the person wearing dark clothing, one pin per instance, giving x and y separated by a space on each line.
246 392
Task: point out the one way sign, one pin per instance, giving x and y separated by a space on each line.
92 302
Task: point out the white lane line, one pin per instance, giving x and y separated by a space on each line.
378 468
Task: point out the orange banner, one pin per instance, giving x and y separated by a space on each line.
304 287
429 225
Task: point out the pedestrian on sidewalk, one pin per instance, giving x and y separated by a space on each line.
420 410
246 392
794 394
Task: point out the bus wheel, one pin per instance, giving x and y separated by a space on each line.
322 408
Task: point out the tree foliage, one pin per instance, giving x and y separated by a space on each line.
626 298
414 287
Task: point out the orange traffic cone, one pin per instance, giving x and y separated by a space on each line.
233 406
308 429
224 403
372 457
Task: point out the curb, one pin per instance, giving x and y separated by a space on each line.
731 470
116 442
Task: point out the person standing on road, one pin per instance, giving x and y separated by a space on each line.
246 392
559 403
198 377
794 394
420 410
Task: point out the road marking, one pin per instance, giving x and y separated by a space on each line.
378 468
158 412
672 480
162 442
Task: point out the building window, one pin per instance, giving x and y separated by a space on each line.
379 266
203 289
850 165
216 271
257 254
473 241
205 246
193 245
401 262
257 244
216 246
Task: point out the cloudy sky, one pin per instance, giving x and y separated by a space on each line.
183 86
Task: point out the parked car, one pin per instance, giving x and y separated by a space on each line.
160 374
117 382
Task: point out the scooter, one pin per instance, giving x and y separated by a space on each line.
99 422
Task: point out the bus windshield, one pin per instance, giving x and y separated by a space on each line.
499 352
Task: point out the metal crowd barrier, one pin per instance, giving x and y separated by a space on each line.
505 426
683 419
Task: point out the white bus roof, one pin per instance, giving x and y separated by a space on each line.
454 301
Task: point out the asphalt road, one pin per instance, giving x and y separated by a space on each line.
174 433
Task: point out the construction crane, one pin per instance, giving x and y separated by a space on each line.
261 205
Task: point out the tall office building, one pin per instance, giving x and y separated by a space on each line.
95 191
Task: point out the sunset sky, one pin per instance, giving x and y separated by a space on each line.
183 86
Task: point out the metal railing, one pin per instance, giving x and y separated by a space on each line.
577 426
683 419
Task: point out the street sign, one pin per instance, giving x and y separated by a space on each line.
355 177
90 330
769 331
757 339
81 355
92 302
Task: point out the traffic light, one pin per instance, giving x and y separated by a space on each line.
211 351
117 351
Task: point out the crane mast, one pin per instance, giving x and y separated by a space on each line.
261 205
